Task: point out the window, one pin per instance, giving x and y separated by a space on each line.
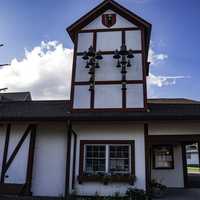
188 156
106 158
163 157
119 159
95 158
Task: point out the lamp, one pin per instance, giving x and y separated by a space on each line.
92 59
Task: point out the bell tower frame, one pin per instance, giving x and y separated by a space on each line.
106 28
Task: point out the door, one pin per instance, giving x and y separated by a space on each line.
191 164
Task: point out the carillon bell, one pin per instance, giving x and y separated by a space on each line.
123 57
123 50
97 65
91 51
85 56
130 54
118 64
87 65
91 71
129 63
99 56
92 59
116 54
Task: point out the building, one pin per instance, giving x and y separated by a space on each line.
108 136
15 96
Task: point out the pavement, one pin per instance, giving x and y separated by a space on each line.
182 194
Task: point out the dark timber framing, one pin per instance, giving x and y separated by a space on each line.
147 156
184 160
124 91
68 159
9 188
141 24
29 172
3 171
74 159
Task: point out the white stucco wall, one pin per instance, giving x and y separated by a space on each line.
174 128
171 177
50 160
49 166
111 131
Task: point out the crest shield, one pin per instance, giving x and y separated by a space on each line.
108 20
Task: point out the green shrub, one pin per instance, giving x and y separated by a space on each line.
137 194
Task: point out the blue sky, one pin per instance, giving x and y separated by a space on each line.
175 34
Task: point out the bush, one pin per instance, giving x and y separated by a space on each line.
131 194
137 194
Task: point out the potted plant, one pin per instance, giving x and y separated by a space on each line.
157 190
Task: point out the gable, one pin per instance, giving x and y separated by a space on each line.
121 22
108 5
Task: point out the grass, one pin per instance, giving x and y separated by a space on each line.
193 169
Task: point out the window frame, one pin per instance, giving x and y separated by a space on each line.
171 150
108 159
125 177
84 159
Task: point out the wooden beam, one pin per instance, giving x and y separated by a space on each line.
147 156
74 159
184 160
68 159
13 155
3 171
29 171
174 139
10 189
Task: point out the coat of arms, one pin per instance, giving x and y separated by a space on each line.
108 20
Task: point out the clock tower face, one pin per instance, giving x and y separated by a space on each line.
109 68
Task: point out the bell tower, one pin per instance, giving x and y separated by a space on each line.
110 60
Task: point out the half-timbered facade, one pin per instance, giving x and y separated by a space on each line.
108 137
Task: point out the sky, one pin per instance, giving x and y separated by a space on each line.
40 51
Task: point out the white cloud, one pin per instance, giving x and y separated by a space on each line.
45 71
155 58
161 81
156 80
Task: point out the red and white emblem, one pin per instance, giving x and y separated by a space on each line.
108 20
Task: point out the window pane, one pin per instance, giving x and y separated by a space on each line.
95 158
119 159
163 157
